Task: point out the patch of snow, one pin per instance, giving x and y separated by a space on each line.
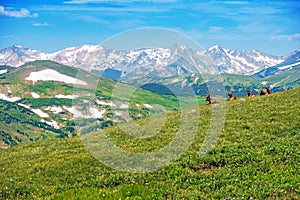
148 106
23 105
76 113
3 71
53 123
111 104
54 109
94 113
289 66
60 96
264 82
35 95
40 113
11 99
124 105
53 75
118 113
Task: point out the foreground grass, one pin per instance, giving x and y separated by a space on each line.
257 156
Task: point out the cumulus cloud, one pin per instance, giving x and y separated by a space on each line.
15 13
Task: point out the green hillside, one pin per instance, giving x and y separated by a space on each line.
237 82
20 125
286 80
57 99
256 157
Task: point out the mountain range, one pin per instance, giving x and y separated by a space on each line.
158 62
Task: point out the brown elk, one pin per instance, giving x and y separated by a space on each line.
266 92
249 93
230 95
210 100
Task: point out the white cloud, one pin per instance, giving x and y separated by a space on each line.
290 37
41 24
23 13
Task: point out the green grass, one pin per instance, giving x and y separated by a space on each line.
20 125
257 156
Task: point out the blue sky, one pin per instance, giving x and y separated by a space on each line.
270 26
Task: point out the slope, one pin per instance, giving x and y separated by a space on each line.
256 157
20 125
62 96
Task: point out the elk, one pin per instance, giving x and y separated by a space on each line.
210 100
230 95
249 93
266 92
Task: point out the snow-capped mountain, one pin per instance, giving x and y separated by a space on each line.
17 55
242 61
292 61
158 62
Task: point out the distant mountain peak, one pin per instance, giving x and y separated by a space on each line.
214 47
98 57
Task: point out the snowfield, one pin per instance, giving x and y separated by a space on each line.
148 106
53 123
93 112
23 105
6 98
124 105
40 113
35 95
53 75
289 66
61 96
111 104
54 109
3 71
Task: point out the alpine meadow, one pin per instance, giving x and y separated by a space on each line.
149 100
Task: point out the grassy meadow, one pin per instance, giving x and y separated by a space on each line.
256 157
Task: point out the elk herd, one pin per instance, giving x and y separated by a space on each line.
264 91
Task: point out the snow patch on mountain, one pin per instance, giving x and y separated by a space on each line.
92 112
52 123
110 103
61 96
53 75
3 71
40 113
54 109
7 98
288 66
35 95
148 106
24 105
